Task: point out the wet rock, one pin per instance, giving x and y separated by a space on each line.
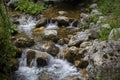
62 20
63 41
30 56
23 42
38 31
51 37
42 22
80 37
50 32
64 32
43 55
42 59
62 12
50 47
114 34
19 52
71 54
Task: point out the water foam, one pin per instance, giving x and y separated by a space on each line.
27 23
57 69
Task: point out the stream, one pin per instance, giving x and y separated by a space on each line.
57 68
62 43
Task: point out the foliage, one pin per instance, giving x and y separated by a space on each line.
6 48
103 35
30 7
110 8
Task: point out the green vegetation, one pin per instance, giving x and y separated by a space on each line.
30 7
6 48
110 8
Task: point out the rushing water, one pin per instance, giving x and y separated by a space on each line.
57 69
27 23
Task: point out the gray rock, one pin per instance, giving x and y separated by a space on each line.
104 56
80 37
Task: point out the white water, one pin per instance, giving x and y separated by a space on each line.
71 24
52 25
57 69
27 23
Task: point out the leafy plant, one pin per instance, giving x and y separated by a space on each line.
30 7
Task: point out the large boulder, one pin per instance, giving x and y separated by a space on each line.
104 56
50 47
